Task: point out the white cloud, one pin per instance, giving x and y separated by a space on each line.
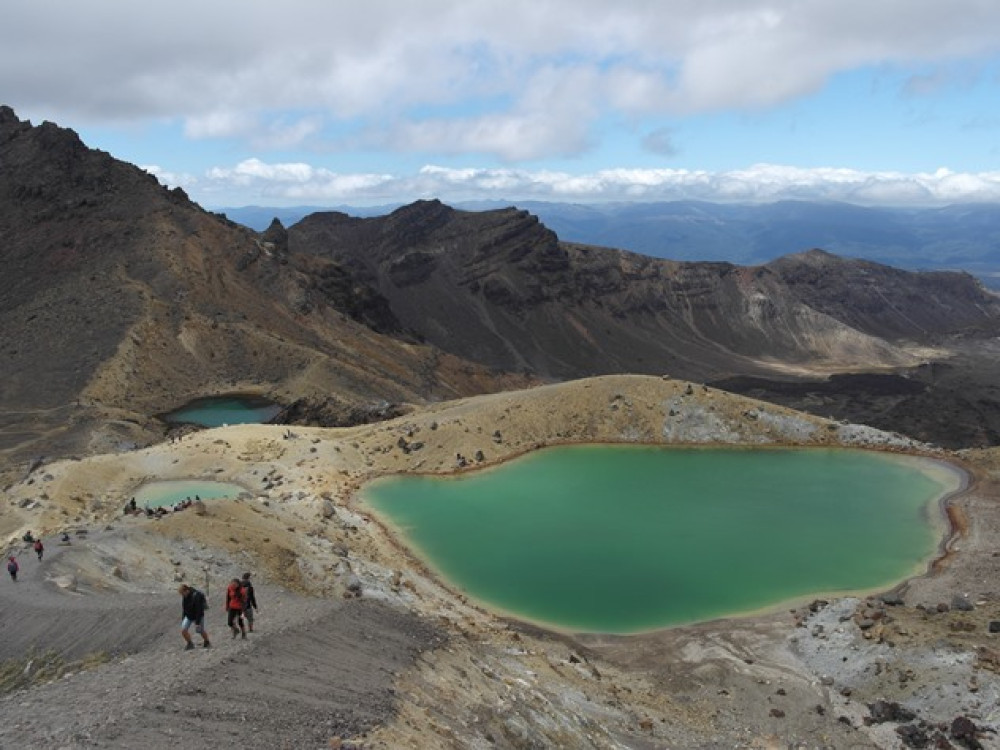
291 181
168 178
551 118
227 67
299 183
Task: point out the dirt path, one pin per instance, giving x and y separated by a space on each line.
314 669
36 614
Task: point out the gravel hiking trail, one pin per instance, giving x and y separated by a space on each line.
312 670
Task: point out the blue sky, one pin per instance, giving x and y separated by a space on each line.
322 102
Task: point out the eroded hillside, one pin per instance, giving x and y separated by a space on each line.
499 288
120 299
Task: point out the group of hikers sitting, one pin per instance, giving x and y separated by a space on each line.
131 509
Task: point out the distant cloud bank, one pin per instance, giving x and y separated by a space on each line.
503 83
298 184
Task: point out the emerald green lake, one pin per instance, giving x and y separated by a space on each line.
621 539
216 411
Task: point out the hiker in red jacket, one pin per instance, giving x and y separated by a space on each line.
12 568
235 604
39 548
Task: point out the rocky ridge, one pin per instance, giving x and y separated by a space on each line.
527 300
121 299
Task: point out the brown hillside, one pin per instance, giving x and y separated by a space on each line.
120 299
499 288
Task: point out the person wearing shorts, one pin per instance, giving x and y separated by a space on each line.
193 606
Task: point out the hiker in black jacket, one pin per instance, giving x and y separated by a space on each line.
193 606
249 600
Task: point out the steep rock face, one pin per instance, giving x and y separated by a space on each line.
120 298
499 288
889 302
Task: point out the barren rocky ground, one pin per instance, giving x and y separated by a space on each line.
358 643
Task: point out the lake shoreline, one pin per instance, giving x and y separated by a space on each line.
943 527
787 677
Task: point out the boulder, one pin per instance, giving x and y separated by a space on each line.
961 603
66 582
963 729
883 711
353 584
913 736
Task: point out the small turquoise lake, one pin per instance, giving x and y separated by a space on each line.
216 411
166 493
624 539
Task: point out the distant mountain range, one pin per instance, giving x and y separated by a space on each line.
965 237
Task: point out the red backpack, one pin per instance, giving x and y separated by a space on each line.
234 597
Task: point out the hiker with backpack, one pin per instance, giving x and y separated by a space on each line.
249 600
12 568
193 606
39 548
234 608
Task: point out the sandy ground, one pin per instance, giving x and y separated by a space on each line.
359 642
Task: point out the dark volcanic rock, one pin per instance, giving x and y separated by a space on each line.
963 730
884 301
120 298
913 736
954 404
883 711
118 295
497 287
276 236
